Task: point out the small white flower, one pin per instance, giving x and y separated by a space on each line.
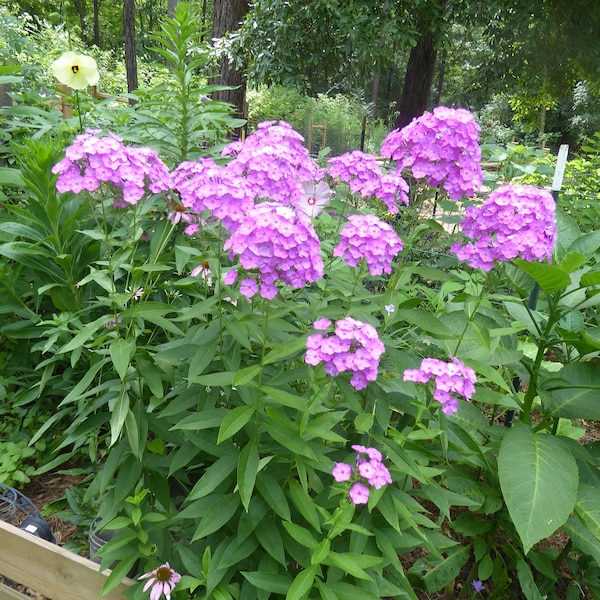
390 308
75 70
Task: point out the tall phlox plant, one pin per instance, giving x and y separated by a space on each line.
368 237
351 346
441 147
92 160
274 162
261 194
451 381
364 176
279 244
513 221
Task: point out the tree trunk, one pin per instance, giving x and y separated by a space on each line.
418 79
171 6
227 16
80 7
96 23
129 41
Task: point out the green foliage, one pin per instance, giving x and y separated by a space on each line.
172 114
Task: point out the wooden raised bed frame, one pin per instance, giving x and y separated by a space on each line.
50 570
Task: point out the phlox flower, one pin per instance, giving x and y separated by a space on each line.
368 237
274 163
162 581
451 380
203 186
359 493
441 147
75 70
342 472
369 471
362 173
275 243
353 346
91 160
513 221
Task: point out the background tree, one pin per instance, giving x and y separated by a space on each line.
129 45
227 18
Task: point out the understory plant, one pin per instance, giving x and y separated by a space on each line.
293 379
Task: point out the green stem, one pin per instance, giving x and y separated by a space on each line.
262 359
470 316
544 343
77 101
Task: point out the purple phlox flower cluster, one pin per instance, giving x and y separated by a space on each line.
206 186
368 237
280 244
352 346
362 173
162 581
91 160
514 220
441 147
451 380
369 470
274 162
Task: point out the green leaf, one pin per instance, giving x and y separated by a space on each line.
234 420
246 471
529 467
549 277
528 586
304 504
270 490
121 352
587 509
243 376
320 552
582 538
363 422
11 177
118 410
573 393
206 419
217 516
218 472
269 537
301 534
270 582
353 564
214 379
447 570
425 321
302 584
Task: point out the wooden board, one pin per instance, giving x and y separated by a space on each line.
49 569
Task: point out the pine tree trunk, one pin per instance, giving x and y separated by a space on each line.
227 16
129 41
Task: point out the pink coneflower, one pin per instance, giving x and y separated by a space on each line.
162 581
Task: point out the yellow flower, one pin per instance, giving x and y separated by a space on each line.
76 70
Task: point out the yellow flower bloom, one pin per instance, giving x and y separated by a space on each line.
76 70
